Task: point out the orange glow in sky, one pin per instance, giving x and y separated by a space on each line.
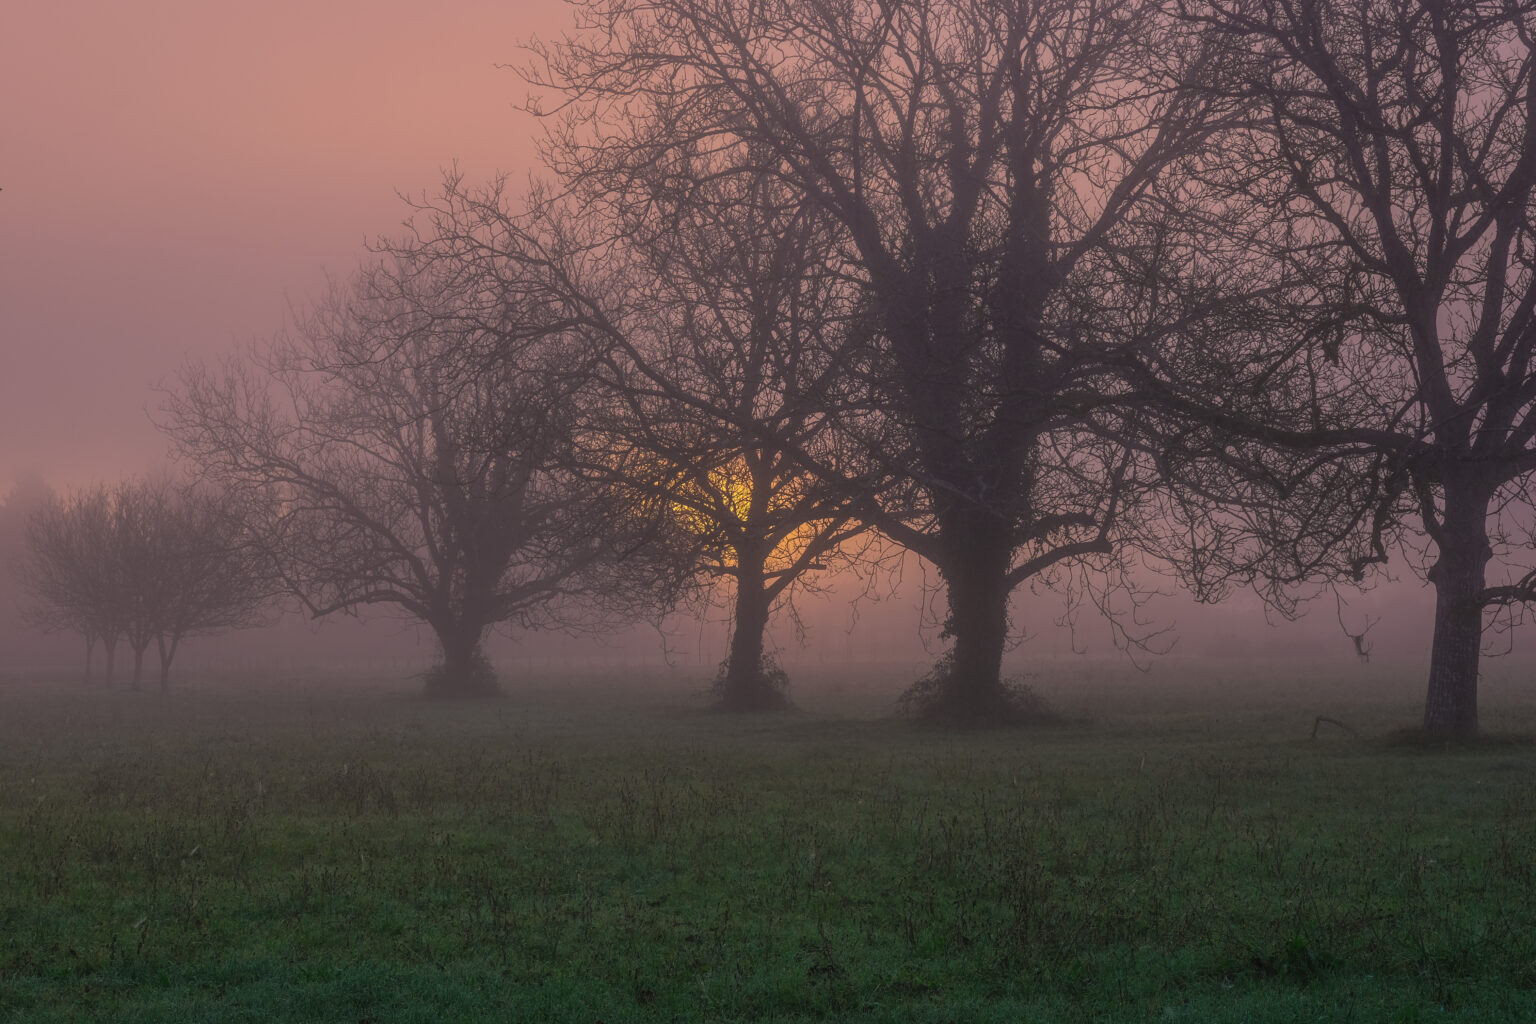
727 499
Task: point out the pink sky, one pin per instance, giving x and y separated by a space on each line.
176 172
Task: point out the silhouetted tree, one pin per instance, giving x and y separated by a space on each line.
1388 174
69 570
718 323
409 444
987 163
28 494
208 574
730 359
147 561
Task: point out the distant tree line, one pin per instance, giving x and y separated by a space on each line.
1040 291
143 562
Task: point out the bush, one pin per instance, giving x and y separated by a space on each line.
768 690
938 698
476 678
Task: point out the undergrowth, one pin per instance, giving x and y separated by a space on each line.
767 690
476 678
939 698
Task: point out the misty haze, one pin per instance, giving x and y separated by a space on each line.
789 510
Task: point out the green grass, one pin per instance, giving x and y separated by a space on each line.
325 851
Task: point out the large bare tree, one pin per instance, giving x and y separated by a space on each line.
987 163
1388 170
409 444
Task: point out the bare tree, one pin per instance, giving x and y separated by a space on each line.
719 323
27 495
141 542
210 575
146 561
408 445
1389 174
987 163
737 362
69 571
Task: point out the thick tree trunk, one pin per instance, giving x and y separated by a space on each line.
90 656
745 684
464 672
1450 708
967 687
109 645
978 623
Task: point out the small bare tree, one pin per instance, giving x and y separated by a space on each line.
210 575
147 561
69 571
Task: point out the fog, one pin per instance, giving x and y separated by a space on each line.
890 625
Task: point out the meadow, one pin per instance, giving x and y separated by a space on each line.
603 850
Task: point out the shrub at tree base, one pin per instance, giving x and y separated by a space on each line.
940 699
471 677
766 690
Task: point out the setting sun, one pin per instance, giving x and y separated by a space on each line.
723 509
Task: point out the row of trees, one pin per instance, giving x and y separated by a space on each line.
142 562
503 420
1244 284
1035 289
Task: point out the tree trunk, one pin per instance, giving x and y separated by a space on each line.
966 688
138 663
1450 708
90 656
978 623
464 671
109 645
167 649
747 683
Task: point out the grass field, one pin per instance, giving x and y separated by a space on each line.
603 850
